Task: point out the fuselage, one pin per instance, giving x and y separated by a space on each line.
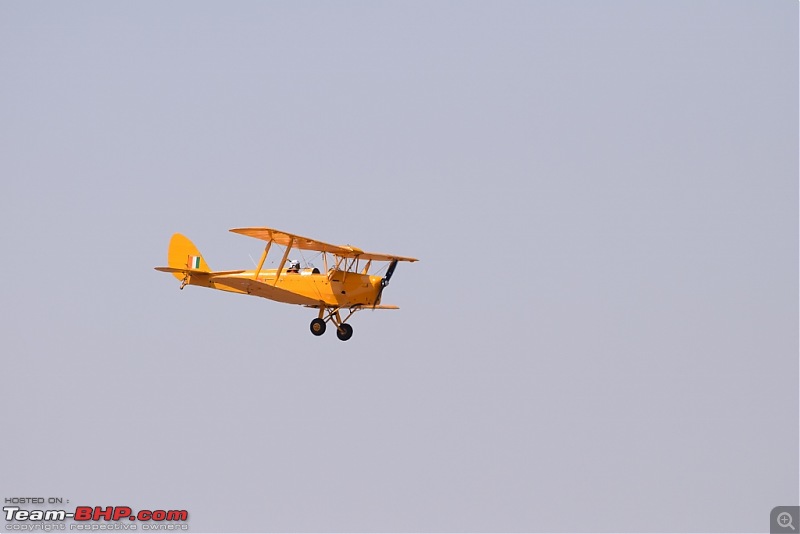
309 287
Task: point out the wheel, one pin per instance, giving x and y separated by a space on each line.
317 327
344 332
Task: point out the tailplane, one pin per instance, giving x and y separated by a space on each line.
184 256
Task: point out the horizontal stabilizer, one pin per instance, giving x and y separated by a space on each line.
195 271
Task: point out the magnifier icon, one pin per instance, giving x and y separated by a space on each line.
785 520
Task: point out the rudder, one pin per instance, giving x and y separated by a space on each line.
183 254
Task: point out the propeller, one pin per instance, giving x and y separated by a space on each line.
385 282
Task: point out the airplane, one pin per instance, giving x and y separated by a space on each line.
344 285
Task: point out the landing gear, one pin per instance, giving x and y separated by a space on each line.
317 327
344 332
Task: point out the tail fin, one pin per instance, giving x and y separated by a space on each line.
183 254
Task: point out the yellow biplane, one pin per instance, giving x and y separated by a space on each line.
344 284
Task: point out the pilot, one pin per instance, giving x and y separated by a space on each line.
294 266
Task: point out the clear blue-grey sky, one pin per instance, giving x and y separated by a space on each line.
601 334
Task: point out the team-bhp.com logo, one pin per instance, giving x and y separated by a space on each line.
97 513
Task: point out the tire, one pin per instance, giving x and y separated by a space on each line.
317 327
344 332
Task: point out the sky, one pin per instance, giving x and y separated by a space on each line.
601 334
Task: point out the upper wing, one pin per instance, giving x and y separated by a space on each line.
286 239
379 257
305 243
362 307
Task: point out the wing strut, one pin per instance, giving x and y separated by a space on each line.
263 257
283 261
